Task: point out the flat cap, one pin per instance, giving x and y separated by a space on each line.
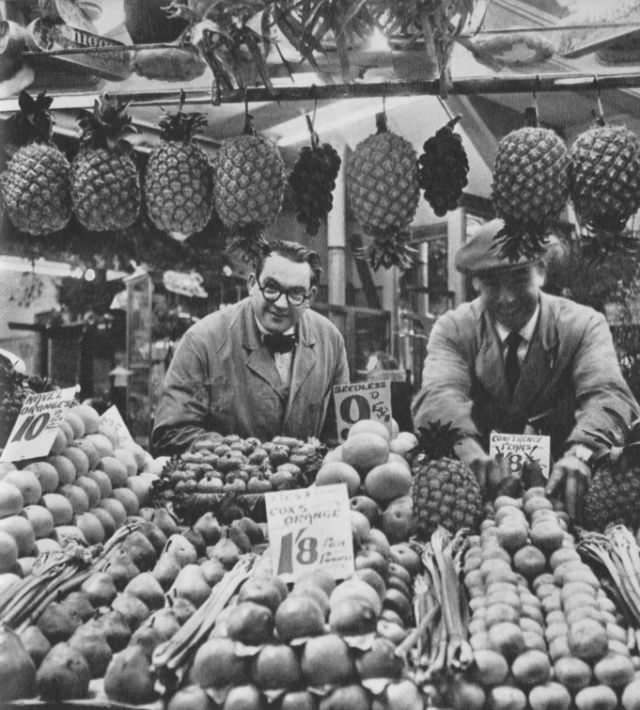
481 253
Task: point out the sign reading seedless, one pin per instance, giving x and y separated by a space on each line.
310 528
362 400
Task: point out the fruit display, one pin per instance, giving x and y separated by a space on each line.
36 185
105 185
178 180
312 181
443 168
530 187
383 191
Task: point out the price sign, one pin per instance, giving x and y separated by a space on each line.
35 429
362 400
310 528
112 424
517 449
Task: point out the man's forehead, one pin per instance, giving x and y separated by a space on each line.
279 266
506 274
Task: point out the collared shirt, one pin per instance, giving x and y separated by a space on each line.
283 361
526 334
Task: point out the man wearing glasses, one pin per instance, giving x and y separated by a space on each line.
262 367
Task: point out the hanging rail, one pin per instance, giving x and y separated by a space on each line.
503 84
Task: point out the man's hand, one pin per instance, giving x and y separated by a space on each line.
574 474
485 468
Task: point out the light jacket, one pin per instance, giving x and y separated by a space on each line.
222 378
570 386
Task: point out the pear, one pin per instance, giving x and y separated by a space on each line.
226 551
166 569
237 535
63 674
209 527
100 588
141 551
151 532
165 622
165 521
81 602
115 629
35 644
191 697
190 584
196 539
147 588
89 640
17 669
251 528
182 608
181 549
128 677
213 571
122 568
134 610
251 623
148 637
57 622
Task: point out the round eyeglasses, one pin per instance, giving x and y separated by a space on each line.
295 296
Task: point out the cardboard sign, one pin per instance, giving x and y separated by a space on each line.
310 528
35 429
112 423
362 400
519 448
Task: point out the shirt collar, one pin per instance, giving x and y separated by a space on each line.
526 332
264 331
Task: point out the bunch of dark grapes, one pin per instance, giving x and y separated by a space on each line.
443 168
312 181
13 390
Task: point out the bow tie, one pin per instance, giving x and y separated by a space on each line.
280 342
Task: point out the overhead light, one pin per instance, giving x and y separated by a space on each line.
90 275
377 42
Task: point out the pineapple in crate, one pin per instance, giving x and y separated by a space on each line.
36 187
445 490
613 495
105 185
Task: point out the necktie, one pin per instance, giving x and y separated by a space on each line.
279 342
511 362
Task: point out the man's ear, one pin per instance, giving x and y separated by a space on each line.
541 271
251 281
312 292
476 283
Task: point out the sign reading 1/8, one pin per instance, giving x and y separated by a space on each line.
304 553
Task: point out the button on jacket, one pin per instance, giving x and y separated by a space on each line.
223 378
570 384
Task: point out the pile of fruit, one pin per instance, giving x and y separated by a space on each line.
84 490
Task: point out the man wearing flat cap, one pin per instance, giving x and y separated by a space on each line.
517 359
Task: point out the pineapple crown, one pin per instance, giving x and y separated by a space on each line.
181 126
107 124
381 122
33 123
437 439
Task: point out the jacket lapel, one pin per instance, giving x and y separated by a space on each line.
489 361
258 359
538 367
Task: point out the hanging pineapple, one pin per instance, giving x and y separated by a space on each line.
443 168
35 187
382 185
250 180
105 185
312 181
605 182
178 179
530 187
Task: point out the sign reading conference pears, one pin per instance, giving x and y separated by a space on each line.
310 528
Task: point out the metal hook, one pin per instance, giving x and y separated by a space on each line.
598 114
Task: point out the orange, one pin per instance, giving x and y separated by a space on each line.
91 488
388 481
115 509
106 519
103 443
127 458
41 520
8 552
79 459
61 441
128 499
364 451
77 425
59 507
77 497
333 455
89 417
91 528
103 481
46 544
115 469
65 470
27 483
141 488
21 531
339 472
46 473
11 501
90 450
370 426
